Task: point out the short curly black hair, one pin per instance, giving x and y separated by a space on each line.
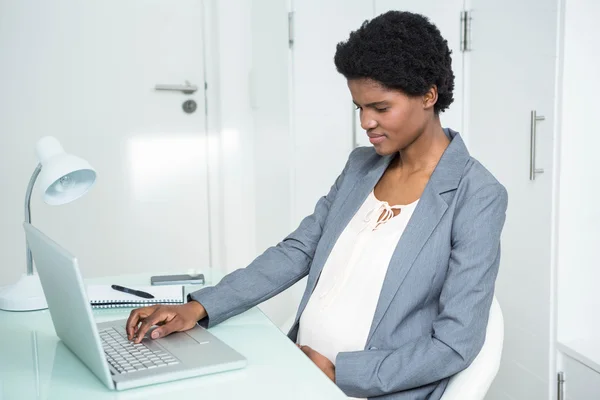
400 50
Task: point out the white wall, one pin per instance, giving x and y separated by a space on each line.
270 99
579 223
231 124
248 66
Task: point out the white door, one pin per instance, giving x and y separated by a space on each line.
446 16
512 72
85 72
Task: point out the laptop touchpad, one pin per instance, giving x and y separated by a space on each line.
178 340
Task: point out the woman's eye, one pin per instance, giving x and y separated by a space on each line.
384 109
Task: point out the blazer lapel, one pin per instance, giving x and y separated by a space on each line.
427 215
356 197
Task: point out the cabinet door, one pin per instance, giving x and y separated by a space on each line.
512 72
581 382
322 106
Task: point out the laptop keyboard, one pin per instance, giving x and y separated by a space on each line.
125 356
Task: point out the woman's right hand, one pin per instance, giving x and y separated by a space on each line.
169 319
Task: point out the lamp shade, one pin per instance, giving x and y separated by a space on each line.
64 177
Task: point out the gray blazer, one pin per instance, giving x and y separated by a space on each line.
431 317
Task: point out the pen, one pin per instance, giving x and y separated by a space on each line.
132 291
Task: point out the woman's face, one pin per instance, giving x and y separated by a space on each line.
391 119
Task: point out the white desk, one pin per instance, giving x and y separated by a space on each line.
34 364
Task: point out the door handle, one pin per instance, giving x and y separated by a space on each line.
532 150
187 88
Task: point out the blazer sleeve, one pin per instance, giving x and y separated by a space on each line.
459 330
278 268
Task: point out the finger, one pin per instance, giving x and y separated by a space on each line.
134 319
142 313
131 321
306 350
174 325
157 316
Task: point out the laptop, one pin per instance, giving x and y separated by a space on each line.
104 347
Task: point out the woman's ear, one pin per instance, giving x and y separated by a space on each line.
430 98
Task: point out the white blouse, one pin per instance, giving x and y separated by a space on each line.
339 313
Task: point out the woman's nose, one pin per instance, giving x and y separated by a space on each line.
366 122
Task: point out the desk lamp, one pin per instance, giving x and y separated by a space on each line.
62 179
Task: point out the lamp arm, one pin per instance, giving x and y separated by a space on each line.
34 176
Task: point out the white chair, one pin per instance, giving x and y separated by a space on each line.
474 382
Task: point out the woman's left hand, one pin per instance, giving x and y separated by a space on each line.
320 361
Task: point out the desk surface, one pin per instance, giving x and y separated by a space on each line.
35 364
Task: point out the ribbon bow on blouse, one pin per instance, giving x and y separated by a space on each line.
386 212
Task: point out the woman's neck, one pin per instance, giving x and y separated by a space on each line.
425 152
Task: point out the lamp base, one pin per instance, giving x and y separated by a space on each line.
24 295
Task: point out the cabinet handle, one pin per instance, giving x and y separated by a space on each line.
532 169
561 386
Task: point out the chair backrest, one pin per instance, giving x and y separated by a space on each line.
474 382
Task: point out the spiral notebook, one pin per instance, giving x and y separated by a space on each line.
103 296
